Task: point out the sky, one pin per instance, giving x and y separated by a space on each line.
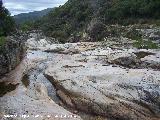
24 6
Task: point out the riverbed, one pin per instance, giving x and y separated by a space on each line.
82 81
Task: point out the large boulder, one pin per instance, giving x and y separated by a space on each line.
11 53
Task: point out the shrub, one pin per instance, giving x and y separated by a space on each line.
141 44
76 15
96 30
26 26
133 34
2 40
7 24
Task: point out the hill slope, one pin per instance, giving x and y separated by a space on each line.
91 16
32 16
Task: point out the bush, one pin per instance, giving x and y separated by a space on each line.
2 43
26 26
60 35
2 40
76 15
96 30
134 9
133 34
7 24
141 44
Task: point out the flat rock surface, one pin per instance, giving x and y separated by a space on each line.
112 83
29 98
93 82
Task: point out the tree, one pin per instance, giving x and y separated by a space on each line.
1 3
7 24
76 16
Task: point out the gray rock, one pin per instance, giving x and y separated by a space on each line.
109 91
11 53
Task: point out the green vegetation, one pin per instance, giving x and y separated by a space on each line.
2 40
142 44
76 16
67 20
132 10
26 26
134 34
7 24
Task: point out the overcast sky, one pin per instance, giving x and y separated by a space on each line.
24 6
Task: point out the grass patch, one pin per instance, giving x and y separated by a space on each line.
142 44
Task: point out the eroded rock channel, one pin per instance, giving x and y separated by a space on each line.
84 81
27 94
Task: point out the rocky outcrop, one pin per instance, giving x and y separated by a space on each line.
11 53
100 82
114 83
42 44
139 59
26 95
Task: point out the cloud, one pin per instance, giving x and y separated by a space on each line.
24 6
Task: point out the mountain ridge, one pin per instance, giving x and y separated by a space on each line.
31 16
